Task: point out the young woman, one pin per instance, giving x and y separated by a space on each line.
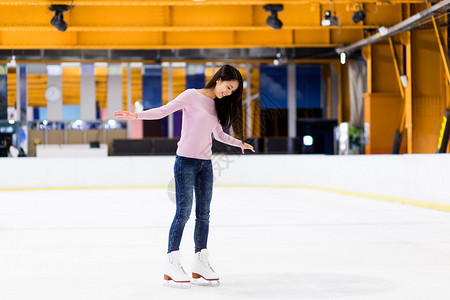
205 111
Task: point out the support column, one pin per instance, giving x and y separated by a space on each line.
3 92
54 93
170 96
21 92
136 126
401 86
87 92
152 97
442 48
292 104
129 98
326 90
383 102
248 102
114 89
408 96
445 128
344 98
367 54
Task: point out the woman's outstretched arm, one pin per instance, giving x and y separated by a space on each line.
154 113
125 115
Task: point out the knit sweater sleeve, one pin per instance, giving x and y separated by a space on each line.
225 138
165 110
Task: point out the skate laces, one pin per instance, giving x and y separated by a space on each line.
205 259
180 261
177 262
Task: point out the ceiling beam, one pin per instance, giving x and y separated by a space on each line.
220 54
197 3
118 28
405 25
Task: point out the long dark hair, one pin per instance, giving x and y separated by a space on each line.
229 108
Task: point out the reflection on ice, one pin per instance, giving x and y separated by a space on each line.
268 243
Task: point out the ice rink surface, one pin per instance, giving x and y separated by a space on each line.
266 243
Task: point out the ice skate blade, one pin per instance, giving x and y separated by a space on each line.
177 285
203 282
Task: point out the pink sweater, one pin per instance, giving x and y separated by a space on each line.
199 121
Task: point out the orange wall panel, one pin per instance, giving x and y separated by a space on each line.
383 113
429 97
427 120
178 83
384 79
71 85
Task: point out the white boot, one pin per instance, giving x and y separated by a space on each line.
174 274
202 272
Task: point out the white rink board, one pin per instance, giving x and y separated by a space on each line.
71 150
421 177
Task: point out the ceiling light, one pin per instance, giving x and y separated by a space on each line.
308 140
12 62
343 57
272 20
358 16
329 19
58 20
280 58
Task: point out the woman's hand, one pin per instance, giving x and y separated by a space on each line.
125 115
246 146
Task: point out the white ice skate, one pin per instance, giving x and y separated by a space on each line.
174 274
202 272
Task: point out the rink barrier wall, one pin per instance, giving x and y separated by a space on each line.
418 180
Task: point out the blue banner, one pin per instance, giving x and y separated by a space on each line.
152 86
195 76
309 78
273 86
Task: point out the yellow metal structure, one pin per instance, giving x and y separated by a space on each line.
442 49
409 94
397 67
398 73
186 24
426 94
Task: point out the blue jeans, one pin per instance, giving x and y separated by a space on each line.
191 175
